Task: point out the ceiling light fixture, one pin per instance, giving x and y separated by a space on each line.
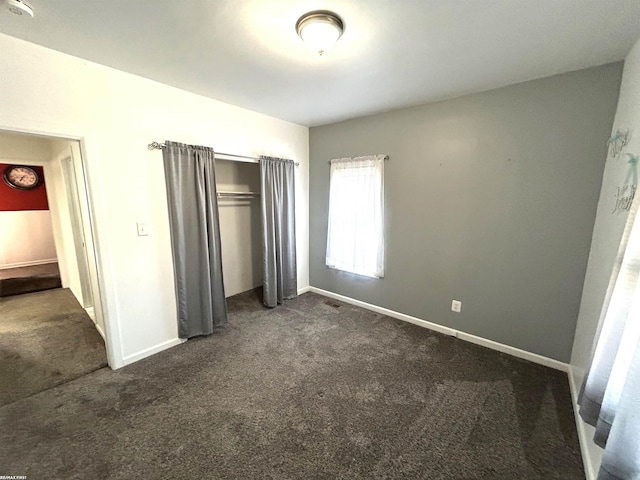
320 30
19 7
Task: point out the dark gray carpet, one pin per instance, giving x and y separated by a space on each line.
35 278
304 391
46 339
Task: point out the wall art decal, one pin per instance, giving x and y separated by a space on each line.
618 141
624 198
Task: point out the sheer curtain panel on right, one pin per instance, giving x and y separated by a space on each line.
355 234
610 396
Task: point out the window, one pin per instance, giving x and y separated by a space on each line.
610 396
355 237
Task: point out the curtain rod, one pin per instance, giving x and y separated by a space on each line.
238 158
386 157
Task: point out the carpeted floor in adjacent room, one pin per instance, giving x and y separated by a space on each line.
314 389
33 278
46 339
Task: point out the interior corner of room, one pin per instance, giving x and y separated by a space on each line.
508 201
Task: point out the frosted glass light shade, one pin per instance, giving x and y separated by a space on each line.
320 30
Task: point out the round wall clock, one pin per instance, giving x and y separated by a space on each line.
21 177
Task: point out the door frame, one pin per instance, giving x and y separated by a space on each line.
72 192
103 291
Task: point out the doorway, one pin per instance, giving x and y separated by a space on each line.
28 259
53 336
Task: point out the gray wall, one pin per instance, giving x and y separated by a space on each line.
609 225
489 199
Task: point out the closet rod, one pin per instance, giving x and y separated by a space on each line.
238 194
235 157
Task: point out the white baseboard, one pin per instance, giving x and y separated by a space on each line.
515 352
100 331
501 347
303 290
590 461
385 311
28 264
147 352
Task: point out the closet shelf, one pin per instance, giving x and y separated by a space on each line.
238 194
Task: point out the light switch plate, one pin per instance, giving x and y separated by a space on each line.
143 229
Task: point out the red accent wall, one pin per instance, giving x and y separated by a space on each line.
12 199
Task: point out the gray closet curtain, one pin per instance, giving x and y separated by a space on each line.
280 280
195 237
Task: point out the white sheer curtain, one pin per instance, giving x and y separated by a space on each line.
355 237
610 398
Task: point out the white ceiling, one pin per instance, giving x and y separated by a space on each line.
394 53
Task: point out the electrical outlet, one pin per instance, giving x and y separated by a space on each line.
456 306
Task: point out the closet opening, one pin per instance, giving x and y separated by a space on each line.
238 185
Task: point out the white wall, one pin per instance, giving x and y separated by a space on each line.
116 115
607 234
33 150
27 150
26 238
